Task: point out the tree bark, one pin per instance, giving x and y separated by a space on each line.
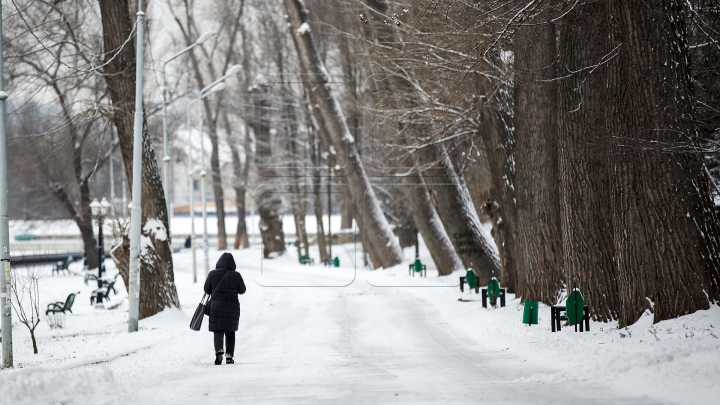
430 226
157 287
372 222
268 202
539 242
665 252
459 217
585 210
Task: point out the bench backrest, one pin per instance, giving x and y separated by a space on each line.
575 307
493 289
471 278
70 300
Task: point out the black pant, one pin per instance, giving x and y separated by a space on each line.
229 342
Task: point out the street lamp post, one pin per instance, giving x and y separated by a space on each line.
208 90
5 302
136 211
166 148
99 211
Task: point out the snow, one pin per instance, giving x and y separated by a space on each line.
304 29
156 228
314 334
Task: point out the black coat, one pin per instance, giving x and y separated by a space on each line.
224 306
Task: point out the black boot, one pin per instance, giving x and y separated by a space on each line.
218 358
229 359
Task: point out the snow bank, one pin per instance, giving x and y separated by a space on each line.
89 385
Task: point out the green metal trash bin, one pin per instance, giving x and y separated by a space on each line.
530 312
336 262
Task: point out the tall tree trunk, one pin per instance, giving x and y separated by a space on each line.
459 217
157 287
218 192
268 202
585 210
372 222
498 139
241 170
297 186
317 202
349 63
430 226
666 259
538 240
212 119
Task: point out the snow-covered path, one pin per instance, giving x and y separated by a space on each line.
358 344
314 335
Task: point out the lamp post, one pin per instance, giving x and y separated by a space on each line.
5 301
136 211
166 148
208 90
99 211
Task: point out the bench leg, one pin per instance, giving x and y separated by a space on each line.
587 319
462 284
557 320
502 298
484 298
552 319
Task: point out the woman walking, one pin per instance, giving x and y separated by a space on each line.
224 284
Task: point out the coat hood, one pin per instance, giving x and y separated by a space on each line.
226 262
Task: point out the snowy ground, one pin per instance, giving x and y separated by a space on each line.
311 334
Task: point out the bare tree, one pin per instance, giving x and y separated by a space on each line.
383 247
26 290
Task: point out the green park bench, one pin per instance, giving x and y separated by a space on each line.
493 292
471 280
62 266
575 312
417 267
304 259
61 307
104 288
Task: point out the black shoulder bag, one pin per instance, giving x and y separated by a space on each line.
203 307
